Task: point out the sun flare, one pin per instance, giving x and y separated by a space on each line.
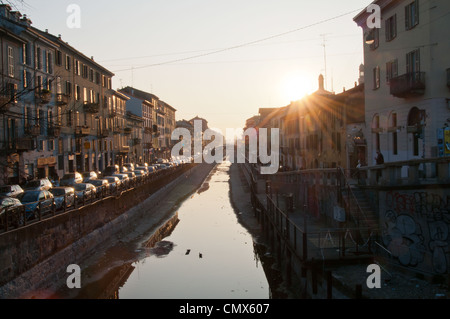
296 86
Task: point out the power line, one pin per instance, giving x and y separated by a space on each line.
243 44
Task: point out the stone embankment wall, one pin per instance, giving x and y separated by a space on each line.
27 247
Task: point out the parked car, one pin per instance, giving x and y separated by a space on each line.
110 170
101 185
85 192
64 197
114 183
124 179
10 190
140 174
35 201
39 184
142 168
15 209
71 179
89 176
129 166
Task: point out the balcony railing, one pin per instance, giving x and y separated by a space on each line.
82 131
128 130
43 97
407 85
54 131
5 101
62 99
92 108
25 144
124 149
33 130
104 133
137 141
118 130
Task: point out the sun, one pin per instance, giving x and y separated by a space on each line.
296 86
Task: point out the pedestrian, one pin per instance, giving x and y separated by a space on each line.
380 158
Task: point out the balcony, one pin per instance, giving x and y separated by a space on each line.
118 130
128 130
5 102
25 144
82 131
148 130
112 114
124 149
43 96
62 99
137 141
33 130
92 108
54 131
104 133
407 85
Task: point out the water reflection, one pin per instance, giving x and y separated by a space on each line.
209 255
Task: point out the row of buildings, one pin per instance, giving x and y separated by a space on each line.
59 112
401 105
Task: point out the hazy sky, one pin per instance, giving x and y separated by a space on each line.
232 73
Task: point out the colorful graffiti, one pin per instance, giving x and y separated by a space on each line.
416 226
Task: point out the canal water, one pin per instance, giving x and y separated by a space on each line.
202 253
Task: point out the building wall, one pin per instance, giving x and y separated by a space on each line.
430 37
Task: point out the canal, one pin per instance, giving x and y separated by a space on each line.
203 252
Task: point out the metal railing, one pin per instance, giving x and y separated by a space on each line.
17 217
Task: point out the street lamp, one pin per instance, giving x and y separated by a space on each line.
370 39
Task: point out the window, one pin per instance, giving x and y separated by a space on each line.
11 62
413 62
68 88
391 70
49 62
58 58
77 67
77 92
394 135
26 54
391 28
376 78
39 58
412 15
68 62
69 118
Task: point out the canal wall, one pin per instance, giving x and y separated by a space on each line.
35 257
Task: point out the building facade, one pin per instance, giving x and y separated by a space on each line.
407 80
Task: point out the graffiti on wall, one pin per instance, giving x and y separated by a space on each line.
416 226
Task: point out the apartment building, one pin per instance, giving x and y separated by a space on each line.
28 78
59 111
407 80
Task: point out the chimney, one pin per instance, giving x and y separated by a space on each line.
25 21
321 83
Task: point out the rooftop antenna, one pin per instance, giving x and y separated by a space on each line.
325 56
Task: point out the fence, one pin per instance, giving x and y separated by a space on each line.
17 217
